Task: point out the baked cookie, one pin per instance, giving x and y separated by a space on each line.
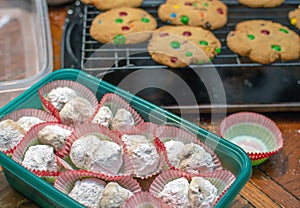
264 41
294 17
111 4
207 14
261 3
117 24
179 46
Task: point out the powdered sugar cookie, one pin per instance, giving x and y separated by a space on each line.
264 41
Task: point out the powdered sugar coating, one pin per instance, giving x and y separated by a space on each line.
174 149
88 192
175 193
40 157
83 149
103 117
26 122
107 158
143 153
76 111
60 96
54 135
202 193
10 134
114 195
122 120
194 159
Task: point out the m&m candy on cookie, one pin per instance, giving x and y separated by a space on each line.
207 14
123 25
264 41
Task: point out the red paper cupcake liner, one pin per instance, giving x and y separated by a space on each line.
66 181
145 199
147 130
258 120
115 102
30 139
31 112
221 179
166 133
80 89
107 134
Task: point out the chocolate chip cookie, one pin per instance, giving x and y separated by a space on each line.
264 41
179 46
261 3
123 25
110 4
207 14
294 17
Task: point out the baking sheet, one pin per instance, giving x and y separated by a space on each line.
231 83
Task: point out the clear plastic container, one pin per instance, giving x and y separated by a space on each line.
25 46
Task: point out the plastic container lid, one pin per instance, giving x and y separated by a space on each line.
25 46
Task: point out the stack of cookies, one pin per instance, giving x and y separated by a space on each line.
187 36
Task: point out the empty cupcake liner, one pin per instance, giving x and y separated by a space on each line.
81 91
66 181
102 133
258 135
145 200
167 133
31 139
114 103
147 130
221 179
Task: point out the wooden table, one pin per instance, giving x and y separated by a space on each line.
275 183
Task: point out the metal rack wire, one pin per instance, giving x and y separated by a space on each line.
97 57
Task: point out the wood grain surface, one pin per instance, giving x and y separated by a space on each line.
275 183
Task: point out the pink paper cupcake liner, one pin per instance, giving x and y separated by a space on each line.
115 102
28 112
145 200
254 125
80 89
221 179
105 134
66 181
147 130
30 139
167 133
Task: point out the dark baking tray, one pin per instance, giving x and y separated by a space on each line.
230 83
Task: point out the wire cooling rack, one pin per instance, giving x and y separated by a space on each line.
97 57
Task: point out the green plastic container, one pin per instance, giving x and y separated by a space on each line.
232 157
